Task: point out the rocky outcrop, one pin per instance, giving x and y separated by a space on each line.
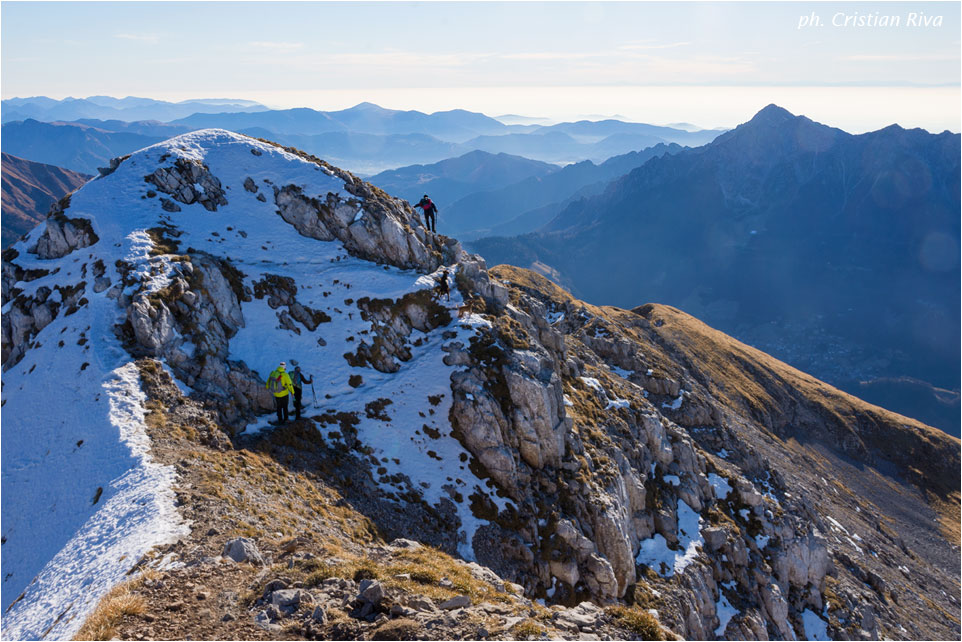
376 229
63 235
27 315
189 324
189 181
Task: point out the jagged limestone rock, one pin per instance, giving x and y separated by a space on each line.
63 235
243 549
188 181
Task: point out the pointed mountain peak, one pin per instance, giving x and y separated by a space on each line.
368 106
773 114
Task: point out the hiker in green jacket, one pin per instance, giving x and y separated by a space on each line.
279 383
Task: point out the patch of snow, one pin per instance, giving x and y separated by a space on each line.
554 587
553 317
836 525
618 403
744 512
649 372
621 372
762 540
854 545
594 384
673 480
720 484
359 215
723 453
725 612
655 553
184 390
73 548
815 627
676 404
567 401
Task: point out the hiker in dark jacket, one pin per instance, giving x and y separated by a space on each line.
442 289
298 379
430 213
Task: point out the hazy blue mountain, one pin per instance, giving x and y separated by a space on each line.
29 189
88 144
143 127
453 178
366 138
480 213
455 125
527 121
77 147
834 252
107 108
302 121
551 147
366 154
366 118
595 131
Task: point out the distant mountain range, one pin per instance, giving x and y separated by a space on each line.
29 189
837 253
366 138
456 125
454 178
107 108
481 193
79 147
526 205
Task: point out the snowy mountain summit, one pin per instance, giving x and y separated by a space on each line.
490 452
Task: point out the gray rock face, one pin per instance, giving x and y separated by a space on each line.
371 591
63 235
372 227
290 599
456 602
189 182
243 549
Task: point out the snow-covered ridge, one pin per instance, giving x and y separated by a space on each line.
221 214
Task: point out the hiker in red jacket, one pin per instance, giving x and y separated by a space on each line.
430 213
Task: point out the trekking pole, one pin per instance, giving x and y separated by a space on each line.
315 395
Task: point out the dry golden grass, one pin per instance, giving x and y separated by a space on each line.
527 629
950 518
121 601
424 566
637 621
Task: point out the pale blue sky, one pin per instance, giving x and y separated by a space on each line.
710 63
